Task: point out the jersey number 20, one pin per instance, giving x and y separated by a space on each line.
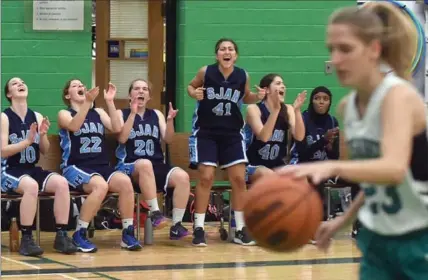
392 207
144 148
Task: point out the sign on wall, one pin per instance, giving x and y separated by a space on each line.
58 15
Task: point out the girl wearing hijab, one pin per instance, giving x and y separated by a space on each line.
322 129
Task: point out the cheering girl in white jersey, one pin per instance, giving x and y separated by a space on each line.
386 135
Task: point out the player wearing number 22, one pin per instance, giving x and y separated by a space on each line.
23 138
218 136
85 163
385 130
268 123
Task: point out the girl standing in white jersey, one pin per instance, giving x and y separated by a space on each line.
386 136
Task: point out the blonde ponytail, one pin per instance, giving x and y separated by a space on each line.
385 22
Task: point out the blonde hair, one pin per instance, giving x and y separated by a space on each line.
385 22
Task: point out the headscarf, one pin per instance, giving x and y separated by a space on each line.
319 119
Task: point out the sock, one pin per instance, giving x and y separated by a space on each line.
239 220
81 224
177 215
153 204
26 230
199 220
127 222
60 227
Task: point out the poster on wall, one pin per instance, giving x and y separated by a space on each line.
58 15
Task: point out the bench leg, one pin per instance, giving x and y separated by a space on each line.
231 234
38 223
138 216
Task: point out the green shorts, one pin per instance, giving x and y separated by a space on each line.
393 257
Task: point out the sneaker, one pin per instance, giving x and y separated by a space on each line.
178 231
28 247
158 220
243 237
313 242
64 244
82 242
199 237
129 241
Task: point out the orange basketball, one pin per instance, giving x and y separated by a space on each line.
281 213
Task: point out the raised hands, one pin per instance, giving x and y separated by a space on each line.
92 94
300 99
110 93
134 105
44 126
32 133
261 92
171 112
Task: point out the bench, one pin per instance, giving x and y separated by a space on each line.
51 161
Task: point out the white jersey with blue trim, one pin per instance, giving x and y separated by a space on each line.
388 210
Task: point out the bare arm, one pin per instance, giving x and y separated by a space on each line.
114 117
73 124
398 127
297 126
249 97
105 119
126 128
44 141
167 130
196 82
262 132
8 150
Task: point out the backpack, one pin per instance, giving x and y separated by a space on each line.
212 214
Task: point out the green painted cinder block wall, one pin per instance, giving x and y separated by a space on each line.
45 60
285 37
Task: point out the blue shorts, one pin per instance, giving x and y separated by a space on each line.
77 176
210 148
162 172
11 177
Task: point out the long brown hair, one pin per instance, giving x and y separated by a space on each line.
385 22
265 83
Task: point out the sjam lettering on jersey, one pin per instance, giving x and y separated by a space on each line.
90 127
225 94
14 138
277 136
145 130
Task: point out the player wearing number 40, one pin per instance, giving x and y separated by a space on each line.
85 163
268 123
23 138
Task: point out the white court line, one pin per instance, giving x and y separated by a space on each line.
39 274
21 263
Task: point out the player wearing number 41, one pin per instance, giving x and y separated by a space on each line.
23 138
85 163
268 123
385 130
218 136
140 156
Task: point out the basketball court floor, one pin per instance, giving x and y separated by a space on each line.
177 260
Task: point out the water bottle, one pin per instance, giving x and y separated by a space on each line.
14 236
148 230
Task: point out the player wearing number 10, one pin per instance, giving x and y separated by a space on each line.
23 138
218 135
385 130
85 163
268 123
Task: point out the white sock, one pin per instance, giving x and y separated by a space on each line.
153 204
127 222
81 224
177 215
239 220
199 220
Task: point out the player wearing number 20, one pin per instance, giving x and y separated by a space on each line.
85 163
23 138
267 127
218 135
